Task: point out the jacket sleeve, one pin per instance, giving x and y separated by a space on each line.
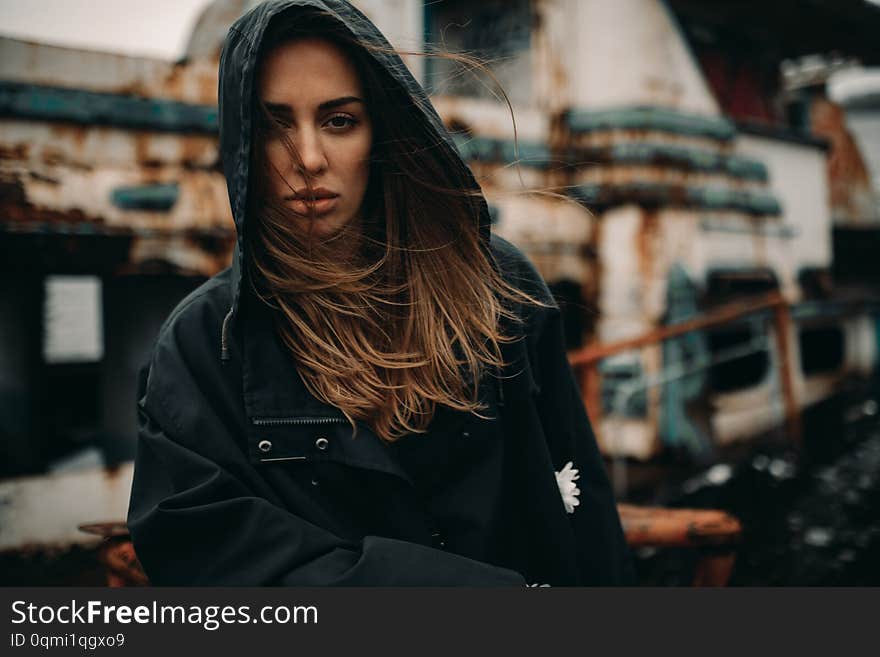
194 522
603 555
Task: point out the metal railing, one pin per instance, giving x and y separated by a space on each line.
586 361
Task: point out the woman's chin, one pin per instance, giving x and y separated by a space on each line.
326 226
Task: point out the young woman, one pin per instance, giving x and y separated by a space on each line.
377 391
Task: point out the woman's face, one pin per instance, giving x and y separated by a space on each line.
313 91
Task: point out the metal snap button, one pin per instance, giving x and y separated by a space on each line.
322 443
264 446
465 434
314 481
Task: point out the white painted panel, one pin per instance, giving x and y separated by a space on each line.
798 178
630 52
73 320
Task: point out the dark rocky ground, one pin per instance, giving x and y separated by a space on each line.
811 516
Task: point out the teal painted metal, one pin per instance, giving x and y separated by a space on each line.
505 151
768 229
650 118
29 101
725 198
103 230
538 155
156 198
742 167
666 195
685 157
834 308
617 376
682 395
876 317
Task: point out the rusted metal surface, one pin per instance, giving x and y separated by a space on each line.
62 195
782 329
647 171
728 313
714 569
117 555
668 178
109 529
36 102
715 534
122 565
589 357
162 191
96 145
86 148
662 527
853 201
194 81
45 510
591 388
653 119
650 194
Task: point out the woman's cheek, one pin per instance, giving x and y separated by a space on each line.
275 152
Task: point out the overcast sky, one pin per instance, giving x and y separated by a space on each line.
155 28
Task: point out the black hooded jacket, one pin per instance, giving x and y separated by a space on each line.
242 477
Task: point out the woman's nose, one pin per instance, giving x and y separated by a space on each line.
311 152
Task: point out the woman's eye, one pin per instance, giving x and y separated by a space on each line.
340 122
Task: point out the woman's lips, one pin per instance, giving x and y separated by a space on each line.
320 205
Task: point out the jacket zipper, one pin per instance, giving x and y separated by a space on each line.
278 421
274 421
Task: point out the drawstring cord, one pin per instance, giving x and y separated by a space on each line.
224 338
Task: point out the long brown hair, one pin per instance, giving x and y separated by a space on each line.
402 310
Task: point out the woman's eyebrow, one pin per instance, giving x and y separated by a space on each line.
285 110
279 109
336 102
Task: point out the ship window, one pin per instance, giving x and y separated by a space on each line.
749 369
745 370
726 285
822 349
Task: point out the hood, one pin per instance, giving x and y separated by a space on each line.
238 62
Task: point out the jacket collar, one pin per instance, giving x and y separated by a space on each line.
274 391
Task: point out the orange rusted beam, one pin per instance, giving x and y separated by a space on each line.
117 555
782 322
591 391
661 527
715 534
121 563
714 569
592 353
